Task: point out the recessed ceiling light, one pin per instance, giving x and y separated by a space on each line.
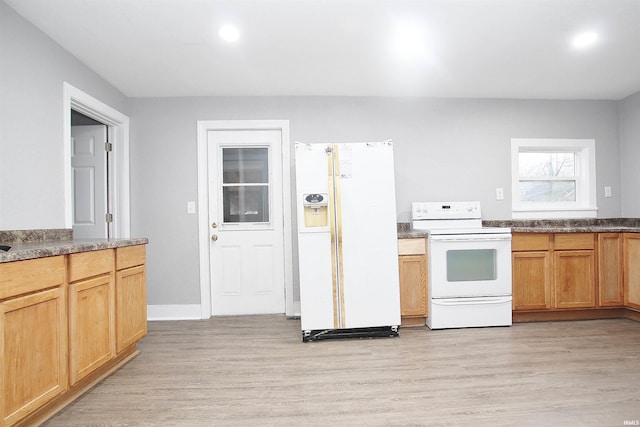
229 33
409 41
585 39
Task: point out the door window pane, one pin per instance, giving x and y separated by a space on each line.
246 204
471 265
245 165
245 184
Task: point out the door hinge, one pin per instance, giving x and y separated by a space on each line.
109 218
108 147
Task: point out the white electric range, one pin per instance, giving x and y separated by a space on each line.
469 266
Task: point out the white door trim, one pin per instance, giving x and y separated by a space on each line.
204 126
118 125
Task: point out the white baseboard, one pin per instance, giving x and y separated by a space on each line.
174 312
188 311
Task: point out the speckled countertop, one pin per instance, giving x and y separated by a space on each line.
412 234
586 229
588 225
30 244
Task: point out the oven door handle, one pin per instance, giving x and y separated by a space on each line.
470 301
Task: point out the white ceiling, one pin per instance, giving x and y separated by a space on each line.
472 48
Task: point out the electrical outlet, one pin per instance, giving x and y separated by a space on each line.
499 193
191 207
607 191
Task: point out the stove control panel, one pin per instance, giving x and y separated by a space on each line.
445 210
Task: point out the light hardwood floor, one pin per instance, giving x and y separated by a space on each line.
254 370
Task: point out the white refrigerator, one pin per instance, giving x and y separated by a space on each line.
347 240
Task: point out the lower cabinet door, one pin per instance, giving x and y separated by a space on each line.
413 285
632 270
91 325
575 279
33 352
131 306
610 269
531 280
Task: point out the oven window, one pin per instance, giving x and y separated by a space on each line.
469 265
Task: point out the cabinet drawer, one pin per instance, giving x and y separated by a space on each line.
130 256
412 246
570 241
525 242
21 277
89 264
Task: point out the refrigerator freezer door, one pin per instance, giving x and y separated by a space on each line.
316 290
317 302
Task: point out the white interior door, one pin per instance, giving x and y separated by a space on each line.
89 176
246 221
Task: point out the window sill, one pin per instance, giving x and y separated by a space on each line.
554 213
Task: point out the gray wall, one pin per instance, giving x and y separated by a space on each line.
32 70
630 150
444 150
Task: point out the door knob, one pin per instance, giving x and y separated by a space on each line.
214 237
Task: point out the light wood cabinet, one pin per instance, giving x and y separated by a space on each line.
413 292
632 270
131 296
531 280
413 278
573 241
65 323
574 270
91 312
574 281
553 271
529 242
21 277
610 270
33 331
531 265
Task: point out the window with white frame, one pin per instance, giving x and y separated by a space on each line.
553 178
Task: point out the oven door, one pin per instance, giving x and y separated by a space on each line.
469 265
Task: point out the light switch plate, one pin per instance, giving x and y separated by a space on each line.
607 191
191 207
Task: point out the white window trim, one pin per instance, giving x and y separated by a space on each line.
585 204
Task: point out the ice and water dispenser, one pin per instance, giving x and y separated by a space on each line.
316 210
